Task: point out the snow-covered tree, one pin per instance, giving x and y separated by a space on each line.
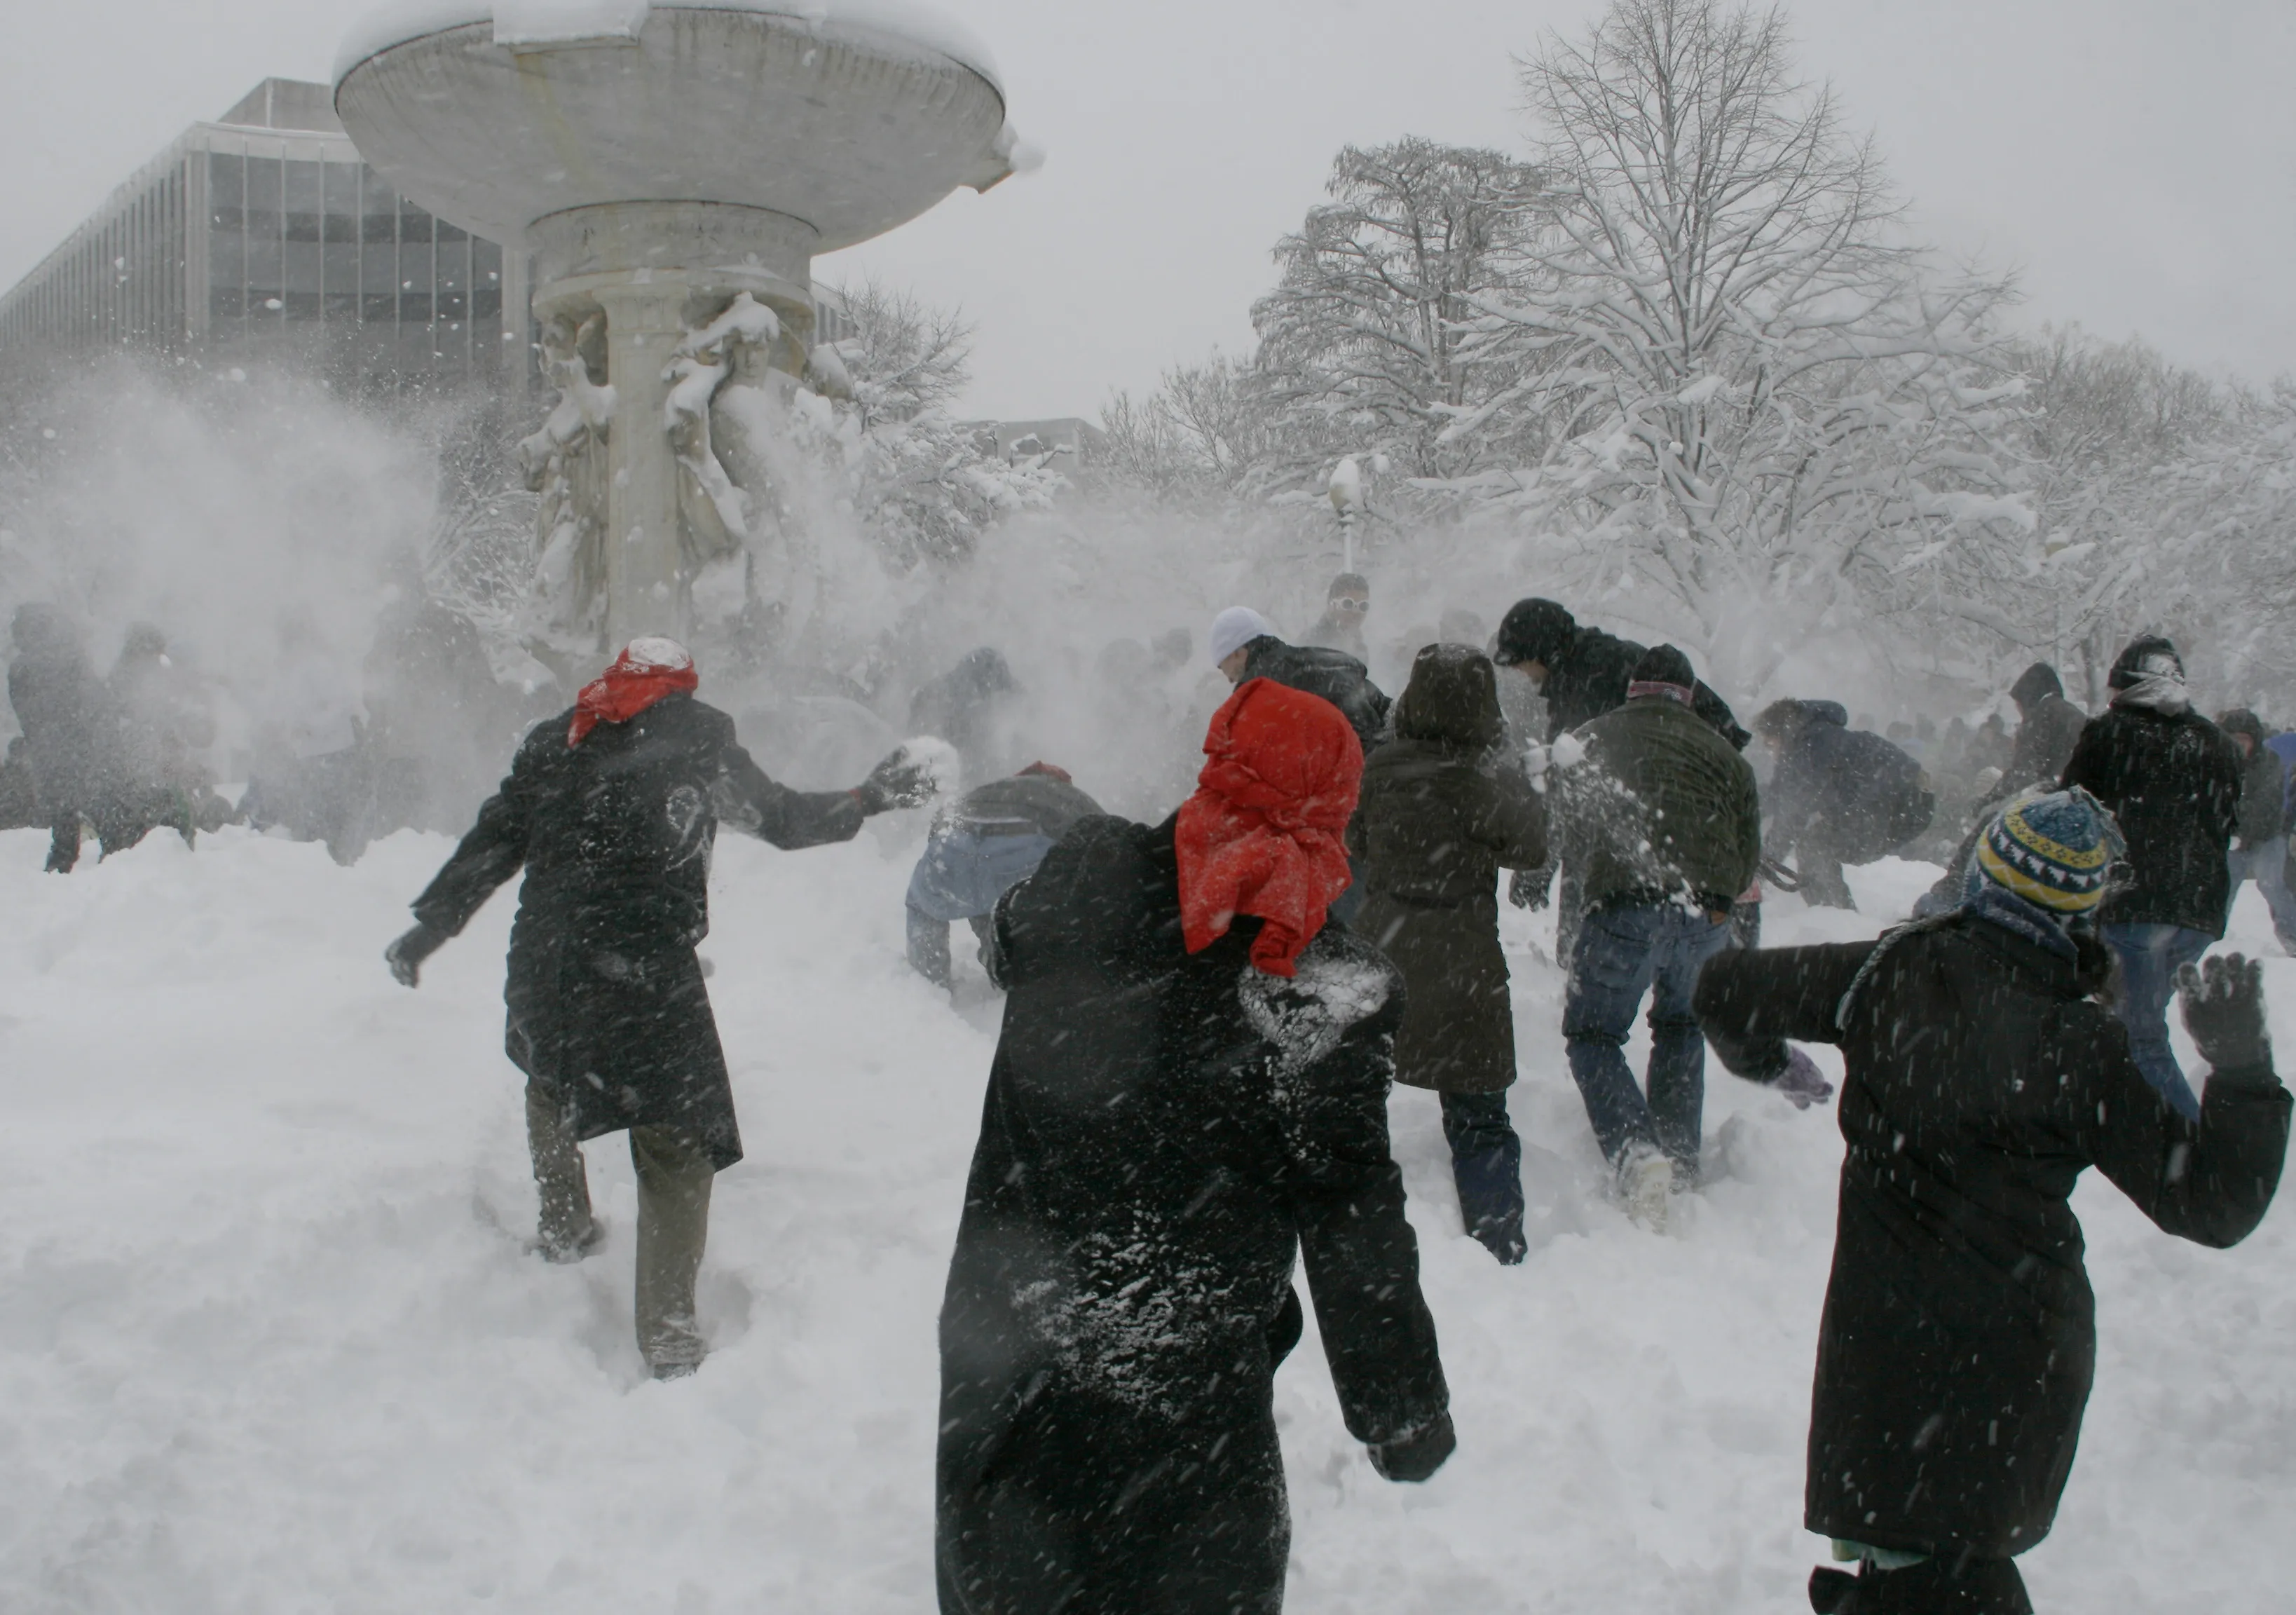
1362 347
1759 392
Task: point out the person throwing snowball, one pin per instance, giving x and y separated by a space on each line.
611 810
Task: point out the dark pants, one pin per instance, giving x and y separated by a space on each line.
1486 1164
1943 1585
1623 951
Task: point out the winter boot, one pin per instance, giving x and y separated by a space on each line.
1646 1184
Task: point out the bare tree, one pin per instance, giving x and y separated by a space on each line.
1759 391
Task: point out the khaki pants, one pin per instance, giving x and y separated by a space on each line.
674 1174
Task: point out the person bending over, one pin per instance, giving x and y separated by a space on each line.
981 846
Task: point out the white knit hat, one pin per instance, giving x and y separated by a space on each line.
1236 628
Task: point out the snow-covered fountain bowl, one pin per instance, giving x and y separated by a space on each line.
672 170
741 136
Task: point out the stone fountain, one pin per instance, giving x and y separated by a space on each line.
673 169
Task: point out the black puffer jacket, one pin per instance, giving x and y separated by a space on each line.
1440 814
1165 1134
1959 1340
1588 670
2172 782
1334 675
606 1000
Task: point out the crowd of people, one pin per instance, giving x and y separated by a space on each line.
1204 1015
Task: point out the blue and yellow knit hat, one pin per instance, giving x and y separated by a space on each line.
2056 851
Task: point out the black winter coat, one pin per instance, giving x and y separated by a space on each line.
1866 793
1590 676
2172 782
606 1001
1959 1341
1164 1134
2047 731
1334 675
2263 798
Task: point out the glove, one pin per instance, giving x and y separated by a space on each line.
1802 1082
1417 1453
900 780
2223 1000
1527 889
405 956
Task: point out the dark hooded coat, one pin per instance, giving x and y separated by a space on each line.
607 1006
2048 727
2171 780
1866 793
2263 784
1164 1135
1440 814
1958 1341
1334 675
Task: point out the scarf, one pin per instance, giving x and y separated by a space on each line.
1659 686
646 671
1263 835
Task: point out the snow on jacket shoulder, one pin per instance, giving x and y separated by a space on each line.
1958 1341
2172 782
1162 1132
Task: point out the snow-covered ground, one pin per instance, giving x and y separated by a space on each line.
268 1341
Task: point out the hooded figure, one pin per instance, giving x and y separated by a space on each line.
2048 727
1442 813
1189 1096
69 729
1840 795
1958 1342
2172 779
612 810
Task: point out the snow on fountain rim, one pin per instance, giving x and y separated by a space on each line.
907 22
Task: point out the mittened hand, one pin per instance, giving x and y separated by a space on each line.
1803 1082
406 954
1417 1456
2223 1000
1527 889
900 780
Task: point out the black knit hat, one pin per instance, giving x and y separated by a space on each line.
1665 665
1533 630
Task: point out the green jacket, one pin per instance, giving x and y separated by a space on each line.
1660 804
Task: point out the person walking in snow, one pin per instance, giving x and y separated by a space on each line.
2259 849
1189 1095
980 846
1346 606
1663 816
2171 780
1441 814
1958 1342
1839 795
2048 728
612 810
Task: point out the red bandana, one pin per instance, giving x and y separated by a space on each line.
646 671
1262 835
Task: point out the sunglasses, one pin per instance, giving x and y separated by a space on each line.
1354 607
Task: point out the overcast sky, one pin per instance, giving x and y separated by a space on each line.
2134 159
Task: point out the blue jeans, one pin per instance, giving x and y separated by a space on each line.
2267 863
2150 956
1620 953
1487 1164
